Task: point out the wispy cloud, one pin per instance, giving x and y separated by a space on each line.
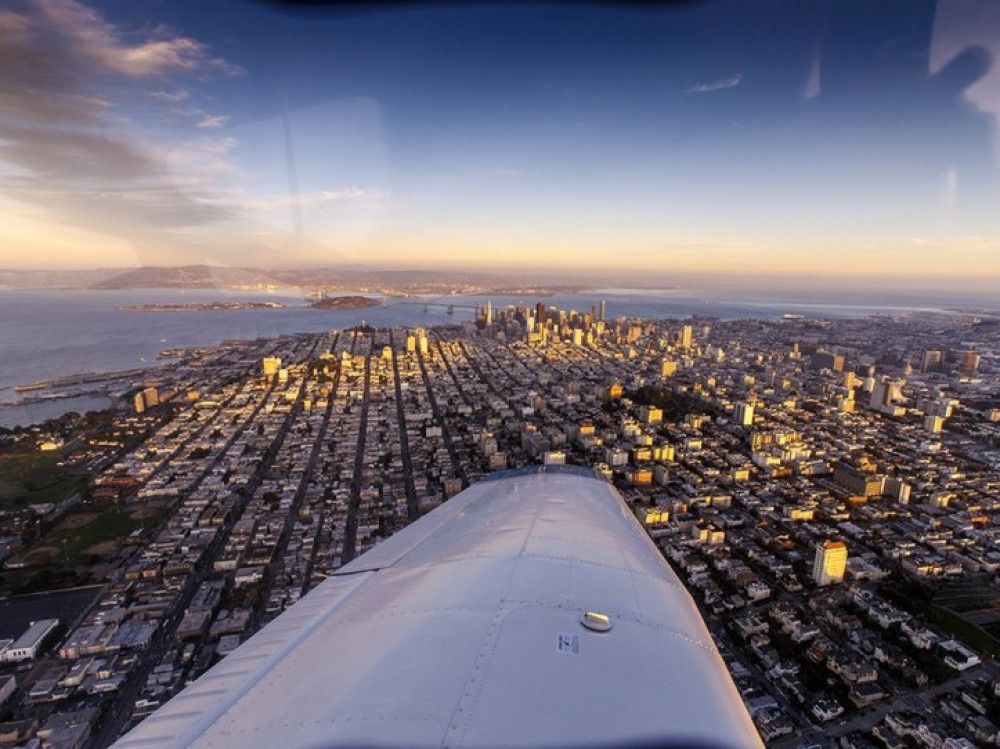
212 121
318 202
96 46
717 85
70 137
172 97
814 84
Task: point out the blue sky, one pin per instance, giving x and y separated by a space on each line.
848 138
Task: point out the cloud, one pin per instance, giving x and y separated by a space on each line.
72 141
54 54
318 202
97 46
77 155
814 84
731 82
212 121
100 131
172 97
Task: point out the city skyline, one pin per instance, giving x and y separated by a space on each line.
710 138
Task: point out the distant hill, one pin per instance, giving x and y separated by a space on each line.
400 281
184 277
323 280
55 279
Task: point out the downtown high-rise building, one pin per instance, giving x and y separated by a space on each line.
687 333
743 413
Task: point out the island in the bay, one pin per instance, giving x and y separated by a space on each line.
199 306
345 302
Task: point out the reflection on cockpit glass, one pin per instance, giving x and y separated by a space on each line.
280 278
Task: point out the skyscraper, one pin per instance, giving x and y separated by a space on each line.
540 316
686 333
930 361
827 360
146 399
743 413
830 562
968 363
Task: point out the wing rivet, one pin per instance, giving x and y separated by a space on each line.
596 621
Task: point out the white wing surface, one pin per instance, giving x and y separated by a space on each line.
465 629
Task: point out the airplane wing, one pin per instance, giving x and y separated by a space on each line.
470 627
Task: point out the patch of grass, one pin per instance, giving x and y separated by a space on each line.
68 564
35 478
111 525
920 599
33 580
961 599
972 635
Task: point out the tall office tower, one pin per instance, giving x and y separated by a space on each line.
686 334
878 400
968 363
827 360
894 392
885 394
930 361
604 310
933 424
743 413
489 312
830 562
146 399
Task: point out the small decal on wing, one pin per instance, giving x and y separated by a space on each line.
569 644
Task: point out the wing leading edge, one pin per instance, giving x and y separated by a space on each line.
465 629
